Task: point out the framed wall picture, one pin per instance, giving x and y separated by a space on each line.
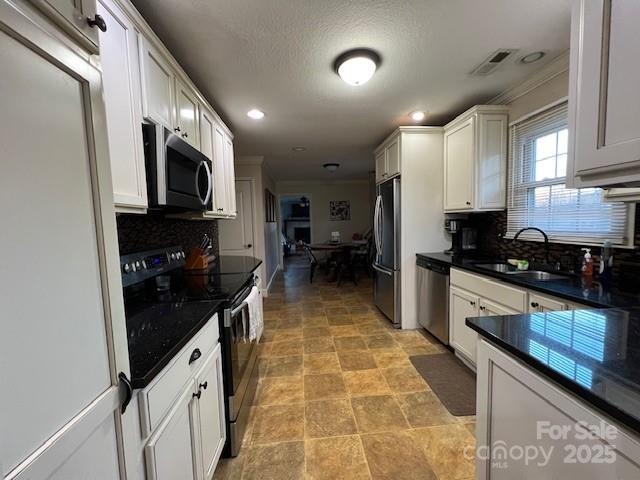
339 210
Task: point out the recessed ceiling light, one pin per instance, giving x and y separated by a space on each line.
532 57
255 114
332 167
299 149
356 67
417 116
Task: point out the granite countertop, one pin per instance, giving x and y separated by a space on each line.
573 288
228 264
593 353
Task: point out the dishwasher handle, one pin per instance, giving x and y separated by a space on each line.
434 266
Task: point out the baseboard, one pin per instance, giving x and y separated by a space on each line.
265 291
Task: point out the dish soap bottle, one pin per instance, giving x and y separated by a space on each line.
587 263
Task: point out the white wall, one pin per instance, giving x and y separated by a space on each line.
544 94
321 193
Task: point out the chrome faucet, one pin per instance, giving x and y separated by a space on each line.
546 240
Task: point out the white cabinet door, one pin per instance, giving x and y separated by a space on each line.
72 16
171 452
60 404
212 428
541 303
186 114
157 85
381 165
604 105
492 161
231 176
489 308
463 304
220 175
393 158
122 95
207 147
459 169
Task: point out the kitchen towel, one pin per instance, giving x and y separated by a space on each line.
254 303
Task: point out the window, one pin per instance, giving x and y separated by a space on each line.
537 193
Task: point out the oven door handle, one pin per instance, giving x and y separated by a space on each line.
230 314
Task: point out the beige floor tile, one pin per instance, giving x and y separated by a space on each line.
280 390
284 366
404 379
282 461
356 360
315 332
365 382
268 336
336 459
329 418
292 347
344 331
278 423
287 335
317 321
231 468
336 311
371 328
326 385
444 446
341 319
410 338
471 427
264 349
380 340
321 363
391 358
289 321
378 414
424 409
318 345
429 349
349 343
394 456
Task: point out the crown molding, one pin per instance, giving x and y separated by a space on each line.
555 67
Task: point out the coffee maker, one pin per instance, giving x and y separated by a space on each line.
463 239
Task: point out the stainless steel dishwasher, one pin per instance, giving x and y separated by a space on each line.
433 297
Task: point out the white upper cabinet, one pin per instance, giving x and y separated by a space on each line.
75 17
231 176
186 114
157 85
387 160
475 160
122 94
604 107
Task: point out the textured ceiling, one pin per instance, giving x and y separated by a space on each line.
277 55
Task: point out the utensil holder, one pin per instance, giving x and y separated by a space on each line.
196 260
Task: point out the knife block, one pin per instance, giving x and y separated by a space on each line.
196 260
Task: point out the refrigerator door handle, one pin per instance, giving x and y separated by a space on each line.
381 225
378 269
376 225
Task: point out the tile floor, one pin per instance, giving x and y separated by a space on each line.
338 397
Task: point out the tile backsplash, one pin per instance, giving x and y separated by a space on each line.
492 226
147 232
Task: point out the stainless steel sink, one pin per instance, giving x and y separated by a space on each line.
537 275
496 267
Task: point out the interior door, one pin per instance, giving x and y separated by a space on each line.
60 408
237 235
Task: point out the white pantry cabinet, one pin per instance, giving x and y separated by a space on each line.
123 103
475 160
387 160
60 408
158 85
604 107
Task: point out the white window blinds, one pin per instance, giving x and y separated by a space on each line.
537 193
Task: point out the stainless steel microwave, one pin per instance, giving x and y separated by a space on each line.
178 176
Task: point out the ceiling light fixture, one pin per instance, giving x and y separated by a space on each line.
532 57
331 167
356 67
299 149
255 114
417 116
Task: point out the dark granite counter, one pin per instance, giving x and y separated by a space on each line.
572 288
228 264
593 353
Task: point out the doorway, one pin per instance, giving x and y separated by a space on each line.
237 235
295 211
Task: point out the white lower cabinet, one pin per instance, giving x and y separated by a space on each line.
513 400
542 303
463 304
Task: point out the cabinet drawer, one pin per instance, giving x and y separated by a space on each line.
493 290
161 394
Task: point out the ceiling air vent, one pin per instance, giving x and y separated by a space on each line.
494 60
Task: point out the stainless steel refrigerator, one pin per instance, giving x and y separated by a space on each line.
386 230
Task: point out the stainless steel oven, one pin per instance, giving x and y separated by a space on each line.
239 366
178 176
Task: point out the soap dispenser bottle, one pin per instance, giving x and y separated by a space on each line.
587 263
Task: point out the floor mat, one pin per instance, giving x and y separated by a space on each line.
452 382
